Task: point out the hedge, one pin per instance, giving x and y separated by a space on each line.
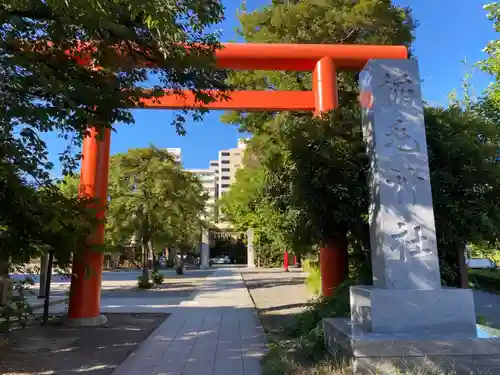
485 279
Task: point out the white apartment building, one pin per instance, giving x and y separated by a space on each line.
176 153
220 174
209 182
229 162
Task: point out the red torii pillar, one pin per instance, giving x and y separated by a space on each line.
285 260
333 251
85 292
322 59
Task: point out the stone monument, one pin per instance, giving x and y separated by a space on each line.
405 316
205 248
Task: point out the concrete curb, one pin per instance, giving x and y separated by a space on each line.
256 310
56 301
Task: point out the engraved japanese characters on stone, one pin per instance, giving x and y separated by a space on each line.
409 241
400 89
405 181
399 137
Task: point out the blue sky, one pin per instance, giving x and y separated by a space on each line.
449 31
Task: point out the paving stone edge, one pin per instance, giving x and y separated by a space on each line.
256 309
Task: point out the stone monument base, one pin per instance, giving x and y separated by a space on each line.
394 353
432 311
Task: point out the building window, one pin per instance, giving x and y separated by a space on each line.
225 161
225 178
226 169
237 165
225 186
225 153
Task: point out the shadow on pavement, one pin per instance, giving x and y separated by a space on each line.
58 349
197 341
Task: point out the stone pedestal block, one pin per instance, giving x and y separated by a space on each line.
397 353
437 311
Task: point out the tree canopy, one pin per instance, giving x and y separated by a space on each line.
309 161
154 199
36 219
316 168
492 64
67 65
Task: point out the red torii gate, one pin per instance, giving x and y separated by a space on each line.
324 60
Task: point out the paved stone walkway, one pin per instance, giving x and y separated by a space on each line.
215 333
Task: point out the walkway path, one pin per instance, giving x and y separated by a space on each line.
215 333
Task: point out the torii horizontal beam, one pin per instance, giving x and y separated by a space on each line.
239 101
302 57
259 56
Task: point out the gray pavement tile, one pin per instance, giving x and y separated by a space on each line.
217 333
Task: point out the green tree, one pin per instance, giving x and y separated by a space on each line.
492 64
462 149
153 199
48 84
247 205
69 185
316 168
36 219
43 90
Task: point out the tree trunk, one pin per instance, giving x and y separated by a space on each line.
464 272
155 260
5 283
151 257
456 275
145 270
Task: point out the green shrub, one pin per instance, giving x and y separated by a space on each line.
481 320
17 310
158 278
309 265
308 328
324 307
143 284
277 362
486 279
313 279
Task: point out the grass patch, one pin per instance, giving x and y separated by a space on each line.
300 349
281 360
